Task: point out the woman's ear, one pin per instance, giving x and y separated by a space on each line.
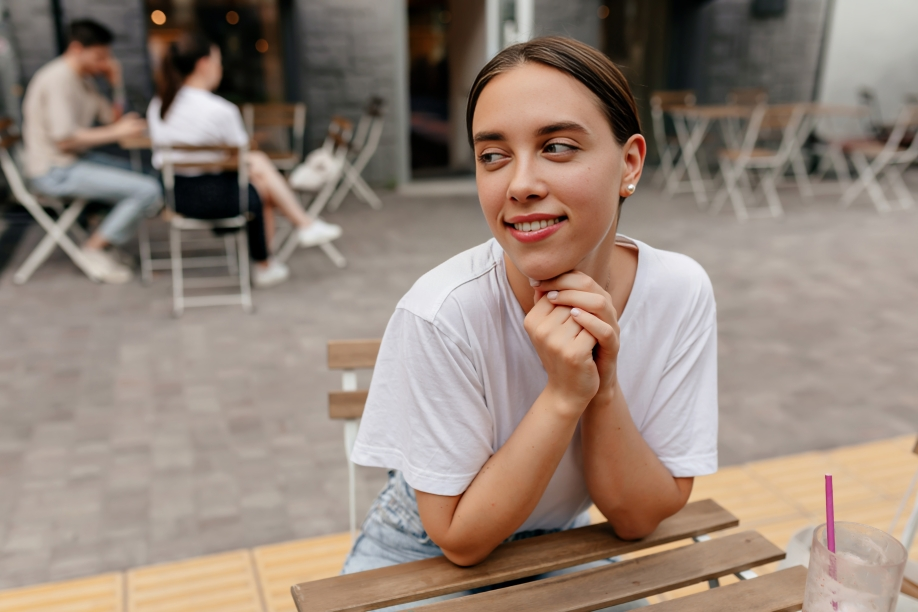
634 152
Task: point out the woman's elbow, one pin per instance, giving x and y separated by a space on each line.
466 556
634 530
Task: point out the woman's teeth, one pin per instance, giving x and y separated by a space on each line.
536 225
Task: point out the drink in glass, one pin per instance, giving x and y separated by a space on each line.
863 574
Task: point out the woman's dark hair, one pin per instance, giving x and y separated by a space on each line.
180 60
581 61
89 33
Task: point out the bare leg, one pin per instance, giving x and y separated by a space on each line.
272 186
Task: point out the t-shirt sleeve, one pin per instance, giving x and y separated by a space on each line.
426 414
60 114
681 426
235 127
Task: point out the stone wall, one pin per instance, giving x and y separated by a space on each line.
34 37
780 54
348 51
575 18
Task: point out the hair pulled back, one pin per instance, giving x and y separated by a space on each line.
180 61
581 61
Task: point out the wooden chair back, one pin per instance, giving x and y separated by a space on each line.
664 100
283 122
222 158
349 356
748 96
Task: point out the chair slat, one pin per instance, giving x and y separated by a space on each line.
352 354
626 581
778 592
346 404
438 576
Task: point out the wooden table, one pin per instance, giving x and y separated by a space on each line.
705 560
692 124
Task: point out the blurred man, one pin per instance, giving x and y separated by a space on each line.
59 112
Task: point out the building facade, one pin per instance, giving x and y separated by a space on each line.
422 55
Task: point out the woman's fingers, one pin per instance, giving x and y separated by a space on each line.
591 302
604 334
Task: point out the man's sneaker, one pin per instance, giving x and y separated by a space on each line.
319 232
104 267
274 274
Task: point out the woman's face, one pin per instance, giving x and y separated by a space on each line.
549 170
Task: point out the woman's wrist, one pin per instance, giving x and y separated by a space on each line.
563 404
605 397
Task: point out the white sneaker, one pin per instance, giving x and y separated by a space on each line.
274 274
104 267
319 232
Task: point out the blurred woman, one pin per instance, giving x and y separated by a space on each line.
187 112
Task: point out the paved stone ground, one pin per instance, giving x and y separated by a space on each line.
128 437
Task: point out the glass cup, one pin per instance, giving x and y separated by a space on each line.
864 573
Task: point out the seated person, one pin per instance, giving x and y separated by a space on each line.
556 366
60 108
187 112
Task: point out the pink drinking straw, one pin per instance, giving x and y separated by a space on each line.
830 515
830 531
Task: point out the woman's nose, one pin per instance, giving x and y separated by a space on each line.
525 184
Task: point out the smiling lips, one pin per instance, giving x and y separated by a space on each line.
533 228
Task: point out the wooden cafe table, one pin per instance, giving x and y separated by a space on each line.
699 559
692 124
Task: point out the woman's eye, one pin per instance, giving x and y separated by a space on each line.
559 147
489 158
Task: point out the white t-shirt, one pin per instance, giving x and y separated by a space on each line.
199 118
456 374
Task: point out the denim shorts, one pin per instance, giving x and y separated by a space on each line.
392 533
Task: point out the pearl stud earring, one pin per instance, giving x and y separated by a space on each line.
630 188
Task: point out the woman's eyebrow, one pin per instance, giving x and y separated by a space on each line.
563 126
488 137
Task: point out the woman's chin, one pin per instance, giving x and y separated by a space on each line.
544 271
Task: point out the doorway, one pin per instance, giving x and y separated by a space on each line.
248 32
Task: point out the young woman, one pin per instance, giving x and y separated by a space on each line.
556 366
187 112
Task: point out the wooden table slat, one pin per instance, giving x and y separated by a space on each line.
346 404
778 592
626 581
418 580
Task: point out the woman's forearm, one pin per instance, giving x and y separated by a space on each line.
507 488
626 480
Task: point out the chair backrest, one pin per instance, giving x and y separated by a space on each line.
8 140
288 117
350 356
369 127
905 124
229 159
747 96
339 135
664 100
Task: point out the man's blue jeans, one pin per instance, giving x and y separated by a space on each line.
134 195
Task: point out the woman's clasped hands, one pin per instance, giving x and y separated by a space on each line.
574 328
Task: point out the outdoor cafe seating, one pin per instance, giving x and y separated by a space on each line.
760 143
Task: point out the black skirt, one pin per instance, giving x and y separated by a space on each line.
216 196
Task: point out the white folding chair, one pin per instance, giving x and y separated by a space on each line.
337 139
348 404
361 149
876 161
285 120
737 165
56 232
667 146
239 273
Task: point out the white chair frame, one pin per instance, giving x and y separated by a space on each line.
363 145
660 103
887 164
237 224
56 232
737 164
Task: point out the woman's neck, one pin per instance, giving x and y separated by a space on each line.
612 266
196 82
